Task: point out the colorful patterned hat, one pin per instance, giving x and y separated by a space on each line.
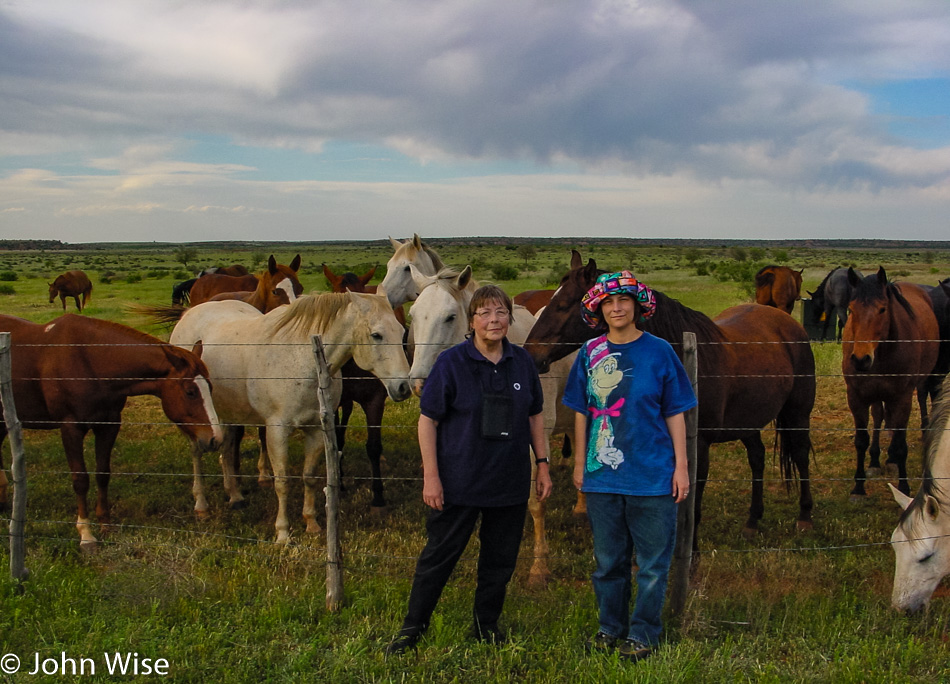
608 284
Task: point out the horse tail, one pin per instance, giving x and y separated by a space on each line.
161 315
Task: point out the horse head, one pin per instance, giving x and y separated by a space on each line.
869 319
560 329
439 318
398 285
378 342
278 285
186 397
53 291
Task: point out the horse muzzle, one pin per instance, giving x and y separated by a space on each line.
399 390
862 364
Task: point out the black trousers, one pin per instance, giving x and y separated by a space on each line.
449 531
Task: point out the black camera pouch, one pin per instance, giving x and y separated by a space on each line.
496 416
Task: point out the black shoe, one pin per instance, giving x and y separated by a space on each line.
402 642
601 642
631 649
490 634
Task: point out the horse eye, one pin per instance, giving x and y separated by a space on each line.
450 319
275 291
882 310
925 558
191 391
377 337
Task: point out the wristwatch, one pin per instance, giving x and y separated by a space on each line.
539 461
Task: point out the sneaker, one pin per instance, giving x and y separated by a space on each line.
490 634
631 649
404 641
600 642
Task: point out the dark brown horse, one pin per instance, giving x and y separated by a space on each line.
755 366
533 300
889 348
71 284
208 286
778 286
363 388
74 374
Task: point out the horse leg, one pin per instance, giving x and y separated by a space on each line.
105 436
4 483
313 446
702 474
197 486
277 449
73 437
343 420
896 417
373 408
755 452
265 478
540 574
874 452
78 305
230 453
859 412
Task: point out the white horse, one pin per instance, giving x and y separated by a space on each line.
264 373
439 321
921 540
398 285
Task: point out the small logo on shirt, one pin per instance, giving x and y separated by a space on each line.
517 385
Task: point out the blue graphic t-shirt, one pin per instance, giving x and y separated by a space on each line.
627 391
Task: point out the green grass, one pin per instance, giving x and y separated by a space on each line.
221 603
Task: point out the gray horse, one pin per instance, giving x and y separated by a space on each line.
832 297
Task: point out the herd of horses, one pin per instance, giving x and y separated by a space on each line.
239 355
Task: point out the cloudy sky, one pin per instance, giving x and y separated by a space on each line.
295 120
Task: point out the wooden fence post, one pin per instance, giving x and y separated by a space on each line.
686 515
17 466
332 490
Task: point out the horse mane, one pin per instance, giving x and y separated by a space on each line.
929 486
866 293
310 313
436 260
444 279
673 318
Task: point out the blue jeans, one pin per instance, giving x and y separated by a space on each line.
621 523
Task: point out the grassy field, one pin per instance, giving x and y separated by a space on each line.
220 602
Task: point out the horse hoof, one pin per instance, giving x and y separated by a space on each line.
892 470
88 546
579 516
857 498
313 527
804 526
872 472
202 515
538 580
749 533
379 511
266 483
238 505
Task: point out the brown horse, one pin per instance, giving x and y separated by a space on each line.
71 284
533 300
778 286
208 286
74 374
363 388
755 366
889 348
276 286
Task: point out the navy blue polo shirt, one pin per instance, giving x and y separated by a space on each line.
476 471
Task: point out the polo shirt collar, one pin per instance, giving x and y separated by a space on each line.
476 355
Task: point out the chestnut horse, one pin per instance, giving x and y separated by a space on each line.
533 300
755 366
778 286
208 286
71 284
74 374
363 388
889 347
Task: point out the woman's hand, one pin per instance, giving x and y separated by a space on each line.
680 484
543 481
432 492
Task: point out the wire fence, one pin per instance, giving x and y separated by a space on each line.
238 544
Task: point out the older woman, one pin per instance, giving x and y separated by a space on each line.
480 413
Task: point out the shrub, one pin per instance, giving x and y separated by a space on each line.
7 290
133 278
504 272
8 276
181 275
155 273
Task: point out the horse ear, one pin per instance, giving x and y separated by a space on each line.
590 271
197 349
176 358
272 265
576 260
332 277
931 507
416 241
395 243
853 278
464 277
810 293
902 499
295 264
421 280
368 276
881 276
